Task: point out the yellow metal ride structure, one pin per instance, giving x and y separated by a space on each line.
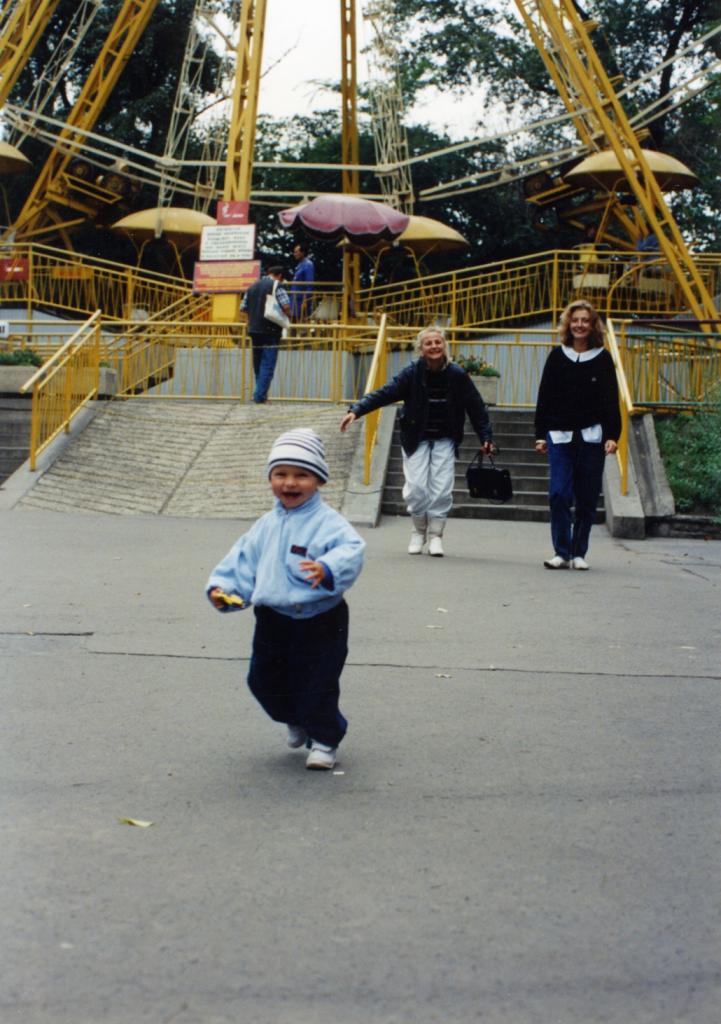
21 26
57 190
563 40
485 308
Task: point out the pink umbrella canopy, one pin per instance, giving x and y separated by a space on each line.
332 217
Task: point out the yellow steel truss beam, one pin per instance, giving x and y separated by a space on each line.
34 219
241 141
565 44
20 32
241 138
349 98
349 137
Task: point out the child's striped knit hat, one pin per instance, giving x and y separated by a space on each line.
301 447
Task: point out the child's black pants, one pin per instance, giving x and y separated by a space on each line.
295 670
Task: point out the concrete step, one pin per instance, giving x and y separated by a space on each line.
523 478
470 509
512 459
514 434
394 494
510 512
14 431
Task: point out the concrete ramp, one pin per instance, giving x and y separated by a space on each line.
176 458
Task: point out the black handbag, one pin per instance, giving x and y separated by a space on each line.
488 481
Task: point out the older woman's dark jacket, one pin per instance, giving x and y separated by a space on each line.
411 387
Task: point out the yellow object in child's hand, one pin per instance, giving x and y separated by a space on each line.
230 599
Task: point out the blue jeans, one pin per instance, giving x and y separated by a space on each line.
265 356
295 670
576 475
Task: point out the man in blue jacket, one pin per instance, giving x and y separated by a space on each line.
301 288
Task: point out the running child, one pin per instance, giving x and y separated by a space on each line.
293 566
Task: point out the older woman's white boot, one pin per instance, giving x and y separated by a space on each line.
435 532
418 536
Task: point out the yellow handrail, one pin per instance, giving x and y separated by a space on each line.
63 385
376 377
626 405
56 357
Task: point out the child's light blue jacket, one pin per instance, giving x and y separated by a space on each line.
262 566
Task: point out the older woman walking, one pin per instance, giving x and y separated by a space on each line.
436 395
578 423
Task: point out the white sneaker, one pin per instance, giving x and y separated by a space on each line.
435 546
417 541
579 563
296 736
321 757
557 563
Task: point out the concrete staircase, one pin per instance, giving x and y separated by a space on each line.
148 456
514 434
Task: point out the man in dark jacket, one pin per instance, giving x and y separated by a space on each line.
264 334
436 394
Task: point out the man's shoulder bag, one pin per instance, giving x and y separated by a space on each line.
273 310
488 482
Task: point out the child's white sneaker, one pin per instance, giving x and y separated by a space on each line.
579 563
296 736
415 545
435 547
321 757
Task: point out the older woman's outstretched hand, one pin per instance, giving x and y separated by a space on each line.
350 417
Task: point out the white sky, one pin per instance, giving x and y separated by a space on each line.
310 31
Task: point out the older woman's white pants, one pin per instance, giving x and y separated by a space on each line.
430 473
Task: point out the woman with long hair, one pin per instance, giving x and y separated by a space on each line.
578 424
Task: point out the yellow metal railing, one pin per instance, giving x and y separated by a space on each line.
535 286
538 286
668 368
661 368
41 277
42 337
193 360
63 385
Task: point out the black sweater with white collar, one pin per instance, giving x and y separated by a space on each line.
578 389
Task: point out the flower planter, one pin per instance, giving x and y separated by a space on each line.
12 379
488 388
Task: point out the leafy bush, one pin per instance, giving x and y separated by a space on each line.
20 357
477 367
690 445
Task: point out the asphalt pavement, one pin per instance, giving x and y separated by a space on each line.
524 826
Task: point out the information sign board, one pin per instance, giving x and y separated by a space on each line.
225 276
227 242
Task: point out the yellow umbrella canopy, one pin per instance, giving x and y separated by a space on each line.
422 236
603 171
11 159
178 225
